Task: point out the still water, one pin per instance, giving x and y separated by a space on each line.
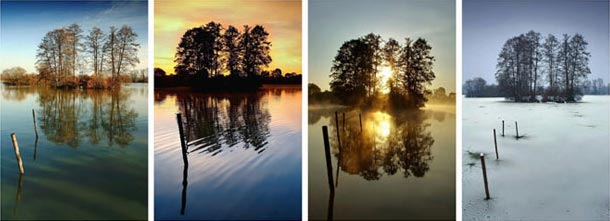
244 155
89 161
394 166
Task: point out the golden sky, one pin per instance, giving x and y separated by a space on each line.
281 19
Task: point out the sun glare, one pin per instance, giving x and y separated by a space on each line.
384 76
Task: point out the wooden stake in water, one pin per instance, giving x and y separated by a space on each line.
329 166
35 125
17 154
496 144
502 127
517 129
182 141
484 176
360 118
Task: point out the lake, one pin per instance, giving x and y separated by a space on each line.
90 160
395 166
244 154
557 170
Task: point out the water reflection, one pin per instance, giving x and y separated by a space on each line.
73 116
213 122
386 144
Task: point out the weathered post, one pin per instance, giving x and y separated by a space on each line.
496 145
35 125
502 127
17 154
337 126
484 176
360 118
182 141
517 129
329 166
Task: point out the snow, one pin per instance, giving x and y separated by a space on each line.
559 169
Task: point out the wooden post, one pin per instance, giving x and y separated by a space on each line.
17 154
329 166
484 176
517 129
182 141
360 118
502 127
496 144
35 125
337 126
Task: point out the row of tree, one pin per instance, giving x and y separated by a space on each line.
211 50
478 87
65 52
528 63
356 65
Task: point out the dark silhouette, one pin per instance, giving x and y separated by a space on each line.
212 58
354 74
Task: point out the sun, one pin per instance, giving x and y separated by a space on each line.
384 75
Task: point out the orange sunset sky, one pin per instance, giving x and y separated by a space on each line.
282 20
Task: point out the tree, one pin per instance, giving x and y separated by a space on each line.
94 44
415 71
231 48
198 51
126 50
255 47
549 53
277 73
391 51
75 35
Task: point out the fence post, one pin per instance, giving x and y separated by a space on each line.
182 141
17 154
484 176
329 166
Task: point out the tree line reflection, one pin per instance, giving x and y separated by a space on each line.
387 143
213 122
72 117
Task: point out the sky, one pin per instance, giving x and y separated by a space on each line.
24 24
486 25
333 22
281 19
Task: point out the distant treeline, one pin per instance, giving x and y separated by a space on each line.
354 71
163 79
478 87
317 96
211 57
554 69
66 57
18 76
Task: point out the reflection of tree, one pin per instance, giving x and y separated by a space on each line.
70 116
214 121
370 153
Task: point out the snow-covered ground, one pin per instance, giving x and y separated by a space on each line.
558 170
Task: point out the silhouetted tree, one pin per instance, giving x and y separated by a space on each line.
255 48
231 48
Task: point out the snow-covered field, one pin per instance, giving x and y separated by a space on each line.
558 170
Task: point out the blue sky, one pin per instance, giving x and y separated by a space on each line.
24 24
486 25
332 22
